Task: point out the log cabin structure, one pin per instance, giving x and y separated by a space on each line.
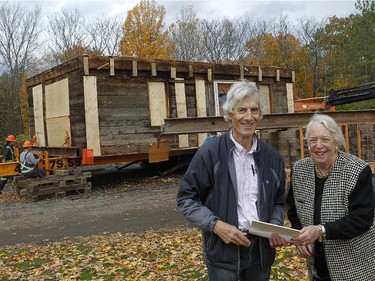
116 106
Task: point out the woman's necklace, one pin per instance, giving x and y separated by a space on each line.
322 175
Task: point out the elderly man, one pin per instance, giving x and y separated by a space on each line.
232 180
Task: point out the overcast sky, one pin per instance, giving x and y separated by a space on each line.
207 9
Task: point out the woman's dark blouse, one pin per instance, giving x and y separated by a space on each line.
361 209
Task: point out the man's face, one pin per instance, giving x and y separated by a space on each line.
245 118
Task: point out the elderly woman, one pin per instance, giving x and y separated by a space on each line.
331 199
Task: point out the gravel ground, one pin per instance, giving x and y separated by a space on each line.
134 206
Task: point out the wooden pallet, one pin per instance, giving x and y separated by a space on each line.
59 185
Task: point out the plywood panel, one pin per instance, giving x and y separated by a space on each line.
157 102
57 112
183 140
57 99
56 130
290 98
265 98
200 92
91 114
38 115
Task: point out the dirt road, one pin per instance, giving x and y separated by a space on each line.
124 207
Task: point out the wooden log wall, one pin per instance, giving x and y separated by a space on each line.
123 98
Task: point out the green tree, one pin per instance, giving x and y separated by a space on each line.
350 47
364 41
144 33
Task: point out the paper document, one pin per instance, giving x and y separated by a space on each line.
264 229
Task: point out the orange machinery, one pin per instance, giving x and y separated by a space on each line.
312 104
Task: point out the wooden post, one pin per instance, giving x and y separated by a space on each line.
86 65
241 71
277 75
209 74
111 66
301 142
134 68
173 73
359 146
260 74
191 72
347 138
153 69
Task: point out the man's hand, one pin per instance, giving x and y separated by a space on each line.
305 251
277 241
231 234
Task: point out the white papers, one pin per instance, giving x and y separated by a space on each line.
264 229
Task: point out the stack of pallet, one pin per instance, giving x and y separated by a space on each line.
58 184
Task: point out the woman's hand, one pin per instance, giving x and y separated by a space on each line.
308 235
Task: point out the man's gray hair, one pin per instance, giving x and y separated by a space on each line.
237 92
330 124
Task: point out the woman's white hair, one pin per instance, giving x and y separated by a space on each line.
237 92
330 124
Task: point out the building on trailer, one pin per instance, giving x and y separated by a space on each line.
116 106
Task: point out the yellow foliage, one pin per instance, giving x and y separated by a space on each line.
167 254
24 107
145 36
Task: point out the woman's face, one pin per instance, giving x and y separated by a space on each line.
322 145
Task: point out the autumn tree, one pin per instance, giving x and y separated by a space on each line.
312 35
274 44
144 32
19 31
187 42
77 50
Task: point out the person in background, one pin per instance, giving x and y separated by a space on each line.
210 136
331 198
232 180
8 156
29 164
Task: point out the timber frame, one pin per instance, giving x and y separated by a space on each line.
115 106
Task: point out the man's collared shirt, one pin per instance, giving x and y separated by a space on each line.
247 184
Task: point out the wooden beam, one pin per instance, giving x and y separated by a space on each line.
192 125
